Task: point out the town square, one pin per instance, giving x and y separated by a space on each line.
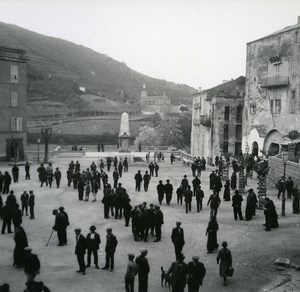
149 146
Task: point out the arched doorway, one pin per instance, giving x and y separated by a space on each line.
255 148
272 142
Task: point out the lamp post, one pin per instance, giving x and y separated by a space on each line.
38 158
285 158
247 148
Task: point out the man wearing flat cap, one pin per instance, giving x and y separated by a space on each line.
143 270
178 238
110 249
80 249
196 272
131 272
93 241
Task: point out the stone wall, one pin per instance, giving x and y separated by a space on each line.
276 171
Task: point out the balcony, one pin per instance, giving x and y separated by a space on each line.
205 120
274 82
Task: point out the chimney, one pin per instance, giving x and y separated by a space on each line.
298 19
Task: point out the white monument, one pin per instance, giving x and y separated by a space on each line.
124 134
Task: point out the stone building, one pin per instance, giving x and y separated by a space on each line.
154 104
13 130
272 98
217 120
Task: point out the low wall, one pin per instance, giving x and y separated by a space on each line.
276 171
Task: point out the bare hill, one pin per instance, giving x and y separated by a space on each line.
56 68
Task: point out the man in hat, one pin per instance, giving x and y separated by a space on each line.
184 183
195 274
11 200
57 176
237 205
138 179
158 221
59 226
110 249
66 223
80 249
146 179
156 168
178 271
27 170
178 238
32 264
143 270
31 203
280 186
6 216
24 201
168 191
93 241
131 272
15 173
160 191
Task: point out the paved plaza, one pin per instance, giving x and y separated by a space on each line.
253 249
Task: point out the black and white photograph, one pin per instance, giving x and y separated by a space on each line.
149 145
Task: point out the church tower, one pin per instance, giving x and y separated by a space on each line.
144 92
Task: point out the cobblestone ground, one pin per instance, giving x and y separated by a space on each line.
253 249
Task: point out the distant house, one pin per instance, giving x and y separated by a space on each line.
154 104
217 120
13 94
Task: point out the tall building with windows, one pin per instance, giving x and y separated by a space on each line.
217 120
13 131
272 98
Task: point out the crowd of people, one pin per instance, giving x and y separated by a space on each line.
146 219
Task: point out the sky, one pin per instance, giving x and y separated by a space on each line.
194 42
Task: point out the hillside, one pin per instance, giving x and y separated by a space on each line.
56 68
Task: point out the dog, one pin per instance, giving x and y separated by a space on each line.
165 279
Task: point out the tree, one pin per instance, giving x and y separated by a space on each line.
148 136
169 133
46 134
293 135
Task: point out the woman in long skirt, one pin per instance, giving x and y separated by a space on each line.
224 256
21 242
226 195
211 232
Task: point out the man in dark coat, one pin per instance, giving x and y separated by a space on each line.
115 163
178 271
237 205
158 221
6 216
110 249
178 238
143 270
66 223
289 187
16 216
214 202
194 168
196 183
151 168
31 204
6 182
146 179
80 249
11 200
168 191
156 168
184 183
115 178
32 265
125 164
27 170
19 251
57 176
1 181
93 241
15 173
42 174
80 189
188 194
108 163
195 274
59 226
199 198
280 187
138 179
160 191
179 193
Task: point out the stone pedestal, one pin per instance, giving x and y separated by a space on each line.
124 143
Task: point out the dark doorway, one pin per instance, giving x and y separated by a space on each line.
255 148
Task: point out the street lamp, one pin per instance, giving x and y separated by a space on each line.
38 158
285 158
247 148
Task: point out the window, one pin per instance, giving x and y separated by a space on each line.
239 114
14 73
293 102
14 99
226 113
225 147
238 132
16 124
226 132
237 148
275 106
253 108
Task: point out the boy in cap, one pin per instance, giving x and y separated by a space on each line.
93 241
131 272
